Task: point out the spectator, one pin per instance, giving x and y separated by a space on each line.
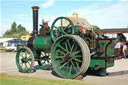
124 51
117 48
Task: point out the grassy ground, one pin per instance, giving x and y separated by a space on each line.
23 80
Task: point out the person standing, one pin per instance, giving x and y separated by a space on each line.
124 50
117 48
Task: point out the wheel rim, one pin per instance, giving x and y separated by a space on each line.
24 60
58 28
67 58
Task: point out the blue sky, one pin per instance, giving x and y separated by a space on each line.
103 13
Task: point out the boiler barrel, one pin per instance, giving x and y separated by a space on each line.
42 43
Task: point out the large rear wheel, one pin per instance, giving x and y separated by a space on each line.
70 56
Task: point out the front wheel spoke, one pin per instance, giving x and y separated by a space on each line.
74 66
29 57
26 53
26 66
48 62
21 54
77 60
29 63
21 64
19 59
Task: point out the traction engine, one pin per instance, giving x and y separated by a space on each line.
69 46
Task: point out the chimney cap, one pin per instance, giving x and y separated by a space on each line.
35 7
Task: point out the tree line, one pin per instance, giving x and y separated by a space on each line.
15 31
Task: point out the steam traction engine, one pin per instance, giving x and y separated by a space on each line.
70 46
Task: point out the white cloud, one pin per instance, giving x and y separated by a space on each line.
48 3
114 16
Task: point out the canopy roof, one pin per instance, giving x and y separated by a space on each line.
113 31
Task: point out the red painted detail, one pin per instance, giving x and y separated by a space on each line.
82 30
46 27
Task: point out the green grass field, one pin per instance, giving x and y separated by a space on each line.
23 80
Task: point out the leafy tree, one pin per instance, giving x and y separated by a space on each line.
15 31
20 28
13 27
8 32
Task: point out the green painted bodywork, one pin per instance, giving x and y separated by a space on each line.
99 63
42 43
34 53
107 51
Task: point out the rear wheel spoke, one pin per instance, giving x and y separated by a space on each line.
74 66
77 66
72 46
77 60
69 44
75 53
66 47
70 70
62 48
61 52
63 65
67 67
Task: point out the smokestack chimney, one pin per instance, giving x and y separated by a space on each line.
35 20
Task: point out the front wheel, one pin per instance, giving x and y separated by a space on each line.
25 60
70 56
